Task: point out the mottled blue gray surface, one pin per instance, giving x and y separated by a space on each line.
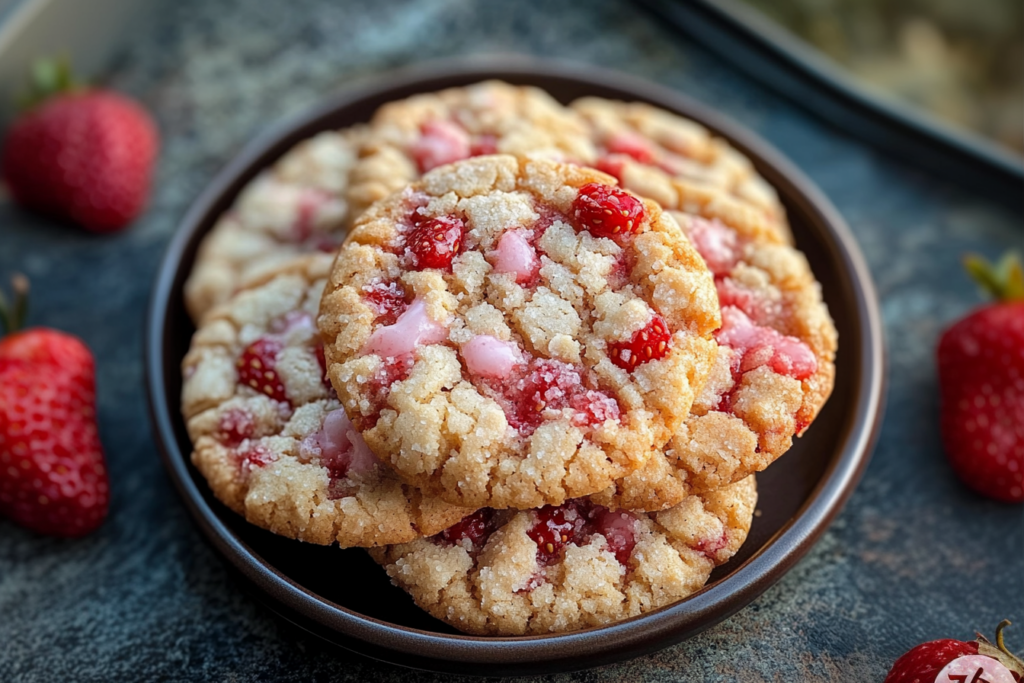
913 557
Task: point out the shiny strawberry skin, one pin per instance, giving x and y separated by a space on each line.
923 663
435 242
53 477
256 368
84 156
606 211
981 378
650 343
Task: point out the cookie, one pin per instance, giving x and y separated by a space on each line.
271 437
299 205
682 166
412 136
773 373
570 567
514 332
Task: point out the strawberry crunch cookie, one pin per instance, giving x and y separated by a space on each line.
569 567
774 371
269 433
410 137
681 165
298 206
511 332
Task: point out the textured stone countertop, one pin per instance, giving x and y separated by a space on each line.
914 556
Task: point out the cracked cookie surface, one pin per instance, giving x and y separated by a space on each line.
681 165
773 373
297 206
409 137
566 568
269 434
514 332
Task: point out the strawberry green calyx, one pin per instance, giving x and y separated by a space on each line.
1004 281
999 651
49 77
13 315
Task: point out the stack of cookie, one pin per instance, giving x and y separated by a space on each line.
529 355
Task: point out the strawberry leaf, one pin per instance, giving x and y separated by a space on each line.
1003 281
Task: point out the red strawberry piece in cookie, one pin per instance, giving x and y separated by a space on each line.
554 528
235 426
607 211
387 299
632 145
256 368
981 379
647 344
434 242
474 529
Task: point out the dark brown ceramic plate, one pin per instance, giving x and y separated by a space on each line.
341 596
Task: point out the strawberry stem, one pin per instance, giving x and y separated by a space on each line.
1002 645
1004 280
49 77
13 316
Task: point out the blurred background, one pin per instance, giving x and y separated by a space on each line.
960 60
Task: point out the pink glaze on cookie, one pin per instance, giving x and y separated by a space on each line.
631 144
440 142
716 243
488 356
516 255
758 346
413 328
339 448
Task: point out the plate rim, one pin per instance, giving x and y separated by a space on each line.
558 652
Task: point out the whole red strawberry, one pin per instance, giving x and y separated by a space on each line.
924 663
83 155
981 378
53 478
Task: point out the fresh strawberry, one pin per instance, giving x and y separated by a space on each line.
981 379
53 478
434 242
256 368
83 155
982 661
650 343
607 211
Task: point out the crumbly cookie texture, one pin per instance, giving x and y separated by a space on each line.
513 332
682 166
410 137
300 205
774 371
269 433
571 567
